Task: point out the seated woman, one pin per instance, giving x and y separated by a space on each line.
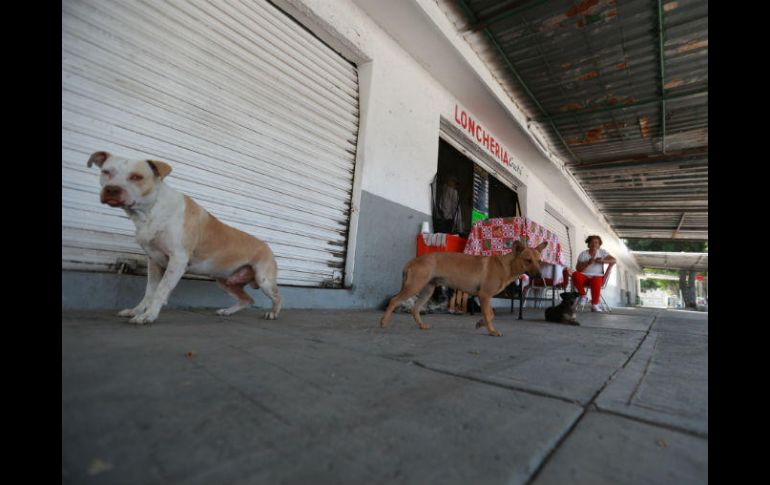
590 269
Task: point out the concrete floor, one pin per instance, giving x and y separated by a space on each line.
324 396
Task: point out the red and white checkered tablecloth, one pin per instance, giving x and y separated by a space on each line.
495 237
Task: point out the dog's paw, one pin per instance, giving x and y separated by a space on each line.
128 312
424 326
143 318
223 312
383 323
480 323
496 333
270 316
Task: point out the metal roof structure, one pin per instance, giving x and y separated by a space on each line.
620 89
669 260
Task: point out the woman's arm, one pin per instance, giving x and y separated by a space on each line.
581 265
607 259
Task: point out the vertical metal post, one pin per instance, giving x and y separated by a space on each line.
662 74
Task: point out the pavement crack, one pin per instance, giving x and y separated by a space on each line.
284 370
657 424
591 404
245 395
644 373
492 383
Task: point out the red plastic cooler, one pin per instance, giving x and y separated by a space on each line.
454 244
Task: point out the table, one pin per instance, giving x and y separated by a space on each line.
495 237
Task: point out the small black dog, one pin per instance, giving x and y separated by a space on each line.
564 312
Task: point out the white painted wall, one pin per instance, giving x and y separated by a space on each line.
405 93
401 155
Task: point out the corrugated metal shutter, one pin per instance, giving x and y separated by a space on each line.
257 117
562 232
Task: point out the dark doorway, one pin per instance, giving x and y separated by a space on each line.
452 214
455 170
503 202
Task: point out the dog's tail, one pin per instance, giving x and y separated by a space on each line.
404 277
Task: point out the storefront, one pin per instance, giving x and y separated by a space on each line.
483 170
303 123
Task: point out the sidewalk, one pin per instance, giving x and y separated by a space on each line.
329 397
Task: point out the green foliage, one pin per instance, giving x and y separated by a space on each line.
673 272
668 245
649 284
669 286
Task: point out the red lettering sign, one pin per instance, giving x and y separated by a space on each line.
477 131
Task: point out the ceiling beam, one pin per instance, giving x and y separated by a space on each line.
670 156
658 229
513 11
646 170
697 263
673 235
663 235
655 100
652 212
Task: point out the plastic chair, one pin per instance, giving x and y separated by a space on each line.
602 302
538 283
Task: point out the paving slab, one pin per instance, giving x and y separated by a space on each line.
562 361
666 381
608 449
196 399
327 396
619 318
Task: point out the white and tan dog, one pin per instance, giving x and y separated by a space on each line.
179 236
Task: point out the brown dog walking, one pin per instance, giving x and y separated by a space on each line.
483 276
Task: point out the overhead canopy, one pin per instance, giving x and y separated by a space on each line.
620 90
676 261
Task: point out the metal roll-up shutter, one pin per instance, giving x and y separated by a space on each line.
562 232
257 117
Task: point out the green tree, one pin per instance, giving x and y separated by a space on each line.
648 284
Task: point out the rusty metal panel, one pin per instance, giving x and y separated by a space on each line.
593 68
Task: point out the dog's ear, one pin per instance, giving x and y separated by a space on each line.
98 158
541 246
160 169
564 295
518 247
